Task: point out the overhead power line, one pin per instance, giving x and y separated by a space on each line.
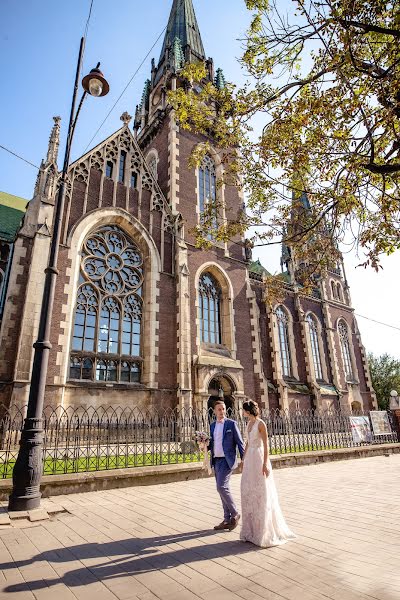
88 19
28 162
378 322
124 90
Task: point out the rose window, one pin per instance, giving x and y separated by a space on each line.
106 342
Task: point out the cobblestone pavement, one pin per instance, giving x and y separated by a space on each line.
157 542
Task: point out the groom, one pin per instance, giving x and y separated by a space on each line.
225 439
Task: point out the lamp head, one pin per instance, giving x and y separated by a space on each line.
95 83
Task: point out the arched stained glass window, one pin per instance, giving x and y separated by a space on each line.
283 333
106 343
210 310
208 187
345 346
315 349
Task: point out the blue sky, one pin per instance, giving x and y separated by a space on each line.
39 43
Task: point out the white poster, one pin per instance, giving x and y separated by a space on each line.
360 429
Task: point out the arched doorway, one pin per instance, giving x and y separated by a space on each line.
221 388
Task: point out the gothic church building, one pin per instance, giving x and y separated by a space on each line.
141 316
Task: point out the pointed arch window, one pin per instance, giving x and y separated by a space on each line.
208 188
122 163
284 346
210 310
345 347
315 348
153 165
106 342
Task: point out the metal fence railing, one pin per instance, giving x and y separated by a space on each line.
79 440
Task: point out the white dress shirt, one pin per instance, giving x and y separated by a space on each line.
218 435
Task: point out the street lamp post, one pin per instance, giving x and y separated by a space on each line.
29 464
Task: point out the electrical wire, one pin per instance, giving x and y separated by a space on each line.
124 90
378 322
88 19
28 162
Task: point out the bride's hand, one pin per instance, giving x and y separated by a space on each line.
265 471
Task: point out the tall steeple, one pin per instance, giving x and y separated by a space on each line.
182 25
182 44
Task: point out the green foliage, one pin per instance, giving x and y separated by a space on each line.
385 375
324 82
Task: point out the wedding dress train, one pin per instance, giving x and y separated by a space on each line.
263 523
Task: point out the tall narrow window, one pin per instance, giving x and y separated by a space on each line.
208 188
122 162
133 180
106 343
210 310
283 333
315 349
109 169
345 346
153 165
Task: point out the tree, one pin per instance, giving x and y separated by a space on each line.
385 375
330 129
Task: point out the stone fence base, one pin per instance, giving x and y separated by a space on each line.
56 485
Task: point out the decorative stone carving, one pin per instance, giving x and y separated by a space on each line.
147 182
136 161
112 151
125 118
81 173
169 223
157 202
97 160
125 141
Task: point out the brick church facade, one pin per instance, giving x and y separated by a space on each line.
141 316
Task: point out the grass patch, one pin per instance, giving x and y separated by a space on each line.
126 461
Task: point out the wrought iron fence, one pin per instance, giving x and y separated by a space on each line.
81 440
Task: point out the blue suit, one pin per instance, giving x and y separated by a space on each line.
231 442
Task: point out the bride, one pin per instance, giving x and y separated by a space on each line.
263 523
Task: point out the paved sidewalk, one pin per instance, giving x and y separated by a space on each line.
157 542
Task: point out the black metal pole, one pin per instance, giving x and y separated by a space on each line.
29 465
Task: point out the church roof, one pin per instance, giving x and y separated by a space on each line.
256 267
183 25
12 209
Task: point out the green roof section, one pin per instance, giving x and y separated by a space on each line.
183 25
12 210
256 267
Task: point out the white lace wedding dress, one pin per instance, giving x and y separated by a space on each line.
263 523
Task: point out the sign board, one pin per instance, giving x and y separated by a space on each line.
380 422
360 429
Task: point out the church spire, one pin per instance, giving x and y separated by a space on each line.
54 142
182 25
